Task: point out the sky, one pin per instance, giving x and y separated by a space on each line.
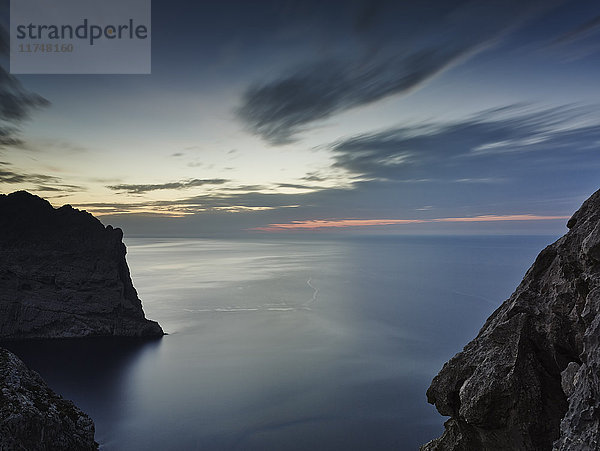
306 116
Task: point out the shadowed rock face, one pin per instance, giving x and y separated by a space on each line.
530 380
63 274
33 417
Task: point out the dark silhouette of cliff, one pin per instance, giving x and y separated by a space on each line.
63 274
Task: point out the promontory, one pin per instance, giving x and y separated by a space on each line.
64 274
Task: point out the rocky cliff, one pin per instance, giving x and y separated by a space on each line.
33 417
63 274
530 380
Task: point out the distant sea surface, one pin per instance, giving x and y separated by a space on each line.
286 344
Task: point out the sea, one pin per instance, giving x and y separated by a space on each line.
286 343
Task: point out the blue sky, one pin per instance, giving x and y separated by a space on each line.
287 113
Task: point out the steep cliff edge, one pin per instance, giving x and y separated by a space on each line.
530 380
63 274
33 417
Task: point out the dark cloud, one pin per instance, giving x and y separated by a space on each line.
139 189
37 182
314 177
281 109
225 199
485 148
416 43
12 177
245 188
16 103
246 200
62 188
296 186
4 41
8 134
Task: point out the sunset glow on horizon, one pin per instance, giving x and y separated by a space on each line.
346 223
463 111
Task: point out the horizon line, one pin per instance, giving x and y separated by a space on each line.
316 224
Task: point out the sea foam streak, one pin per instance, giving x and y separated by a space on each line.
263 308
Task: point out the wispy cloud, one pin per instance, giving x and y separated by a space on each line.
214 202
42 183
583 30
55 145
417 42
297 186
279 110
16 103
470 150
59 188
144 188
315 177
319 224
577 43
13 177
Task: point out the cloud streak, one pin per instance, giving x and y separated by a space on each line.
279 110
12 177
489 147
35 182
16 103
399 61
584 30
186 184
234 202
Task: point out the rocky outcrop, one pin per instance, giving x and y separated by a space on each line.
530 380
63 274
33 417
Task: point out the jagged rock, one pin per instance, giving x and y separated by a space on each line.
530 380
33 417
63 274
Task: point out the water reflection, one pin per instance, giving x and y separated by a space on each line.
324 345
92 372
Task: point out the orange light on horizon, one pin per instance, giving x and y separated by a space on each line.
493 218
317 224
335 223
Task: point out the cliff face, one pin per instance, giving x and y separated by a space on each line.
63 274
33 417
530 380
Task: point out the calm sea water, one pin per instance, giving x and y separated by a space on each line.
286 344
